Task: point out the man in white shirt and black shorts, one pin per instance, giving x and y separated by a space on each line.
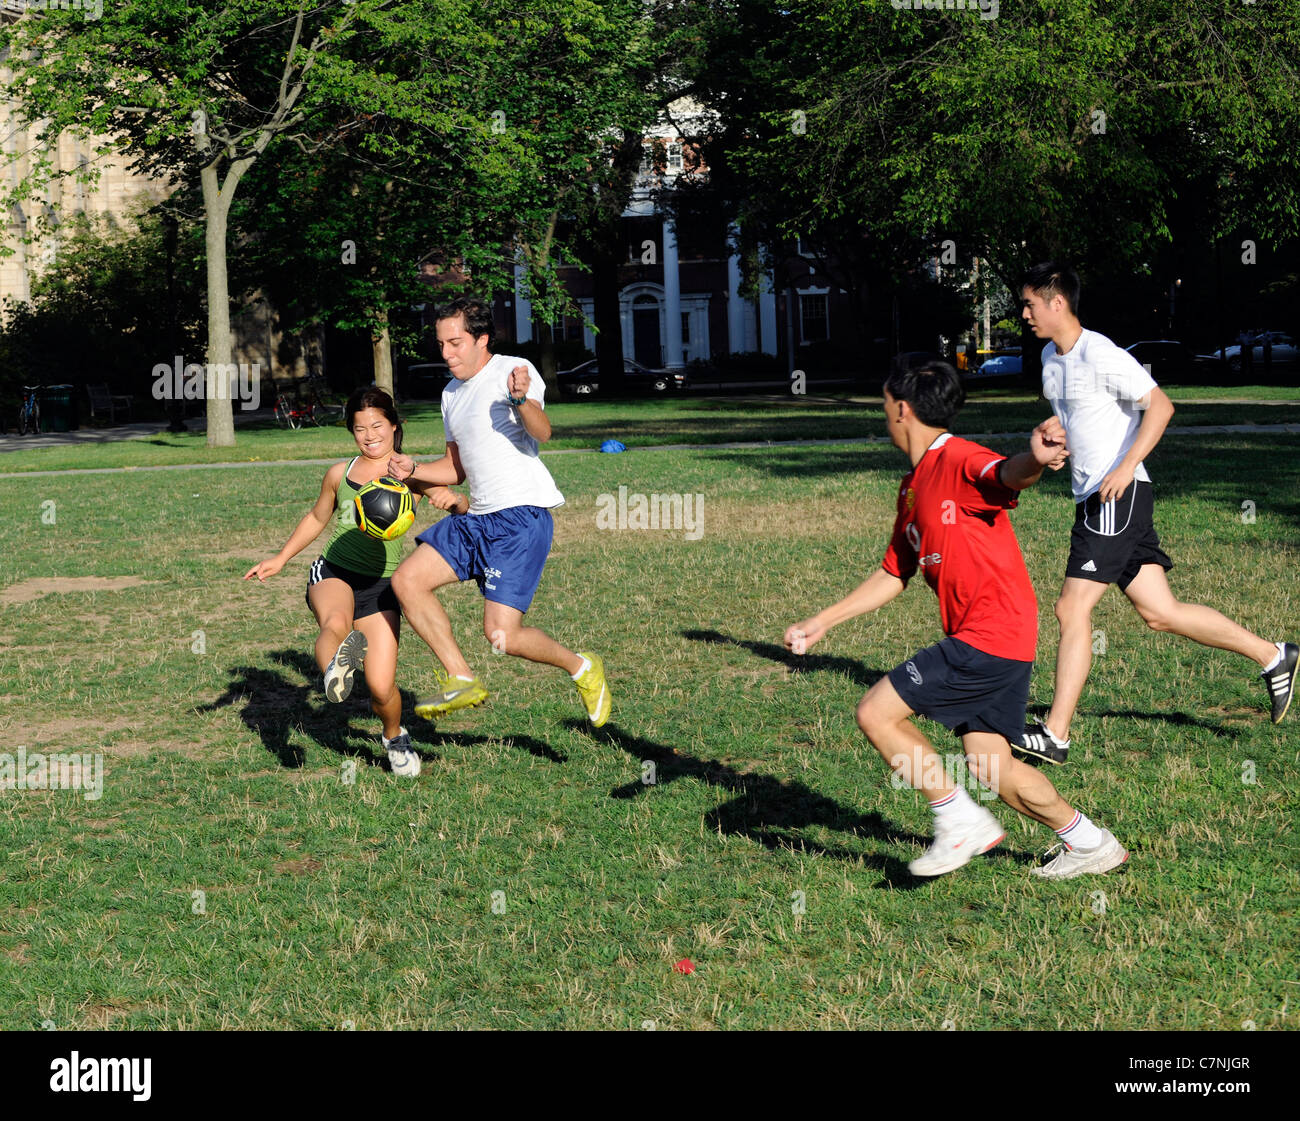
1111 415
494 419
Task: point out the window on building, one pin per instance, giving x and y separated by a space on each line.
686 327
812 310
674 157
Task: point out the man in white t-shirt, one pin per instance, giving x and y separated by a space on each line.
1111 414
494 419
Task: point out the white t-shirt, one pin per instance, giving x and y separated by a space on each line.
499 456
1094 390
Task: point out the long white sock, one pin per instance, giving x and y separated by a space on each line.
1081 833
953 805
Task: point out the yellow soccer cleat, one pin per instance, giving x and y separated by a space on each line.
453 693
594 690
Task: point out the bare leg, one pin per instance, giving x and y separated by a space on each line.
332 603
381 630
1150 594
1022 787
504 627
415 581
1074 654
883 717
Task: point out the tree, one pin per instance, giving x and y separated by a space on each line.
196 94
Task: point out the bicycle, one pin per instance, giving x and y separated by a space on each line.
29 412
306 405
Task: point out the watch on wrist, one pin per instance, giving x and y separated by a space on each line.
516 401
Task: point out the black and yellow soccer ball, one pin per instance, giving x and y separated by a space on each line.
385 508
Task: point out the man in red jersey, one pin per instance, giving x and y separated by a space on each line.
953 526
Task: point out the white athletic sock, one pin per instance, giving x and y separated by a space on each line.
953 805
1081 833
586 665
1281 649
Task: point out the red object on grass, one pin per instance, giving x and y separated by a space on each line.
684 966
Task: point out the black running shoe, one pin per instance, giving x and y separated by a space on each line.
1038 743
1280 680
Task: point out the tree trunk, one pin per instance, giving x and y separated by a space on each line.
547 369
382 352
605 259
221 417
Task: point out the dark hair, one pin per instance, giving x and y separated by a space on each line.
372 397
1053 279
933 389
478 316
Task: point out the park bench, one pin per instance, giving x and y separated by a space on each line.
103 401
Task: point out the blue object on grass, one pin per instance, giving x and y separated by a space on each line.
612 446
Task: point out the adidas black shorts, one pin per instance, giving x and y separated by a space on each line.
1111 541
370 594
965 689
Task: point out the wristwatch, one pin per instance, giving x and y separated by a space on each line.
516 400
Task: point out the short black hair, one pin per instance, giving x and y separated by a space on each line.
1051 278
478 316
933 389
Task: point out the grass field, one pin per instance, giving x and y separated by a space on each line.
252 863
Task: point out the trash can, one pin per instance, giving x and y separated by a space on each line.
58 409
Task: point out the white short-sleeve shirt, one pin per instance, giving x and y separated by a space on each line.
1094 390
500 458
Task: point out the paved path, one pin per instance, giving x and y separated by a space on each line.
1188 430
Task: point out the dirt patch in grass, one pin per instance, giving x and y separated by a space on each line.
27 590
18 954
303 867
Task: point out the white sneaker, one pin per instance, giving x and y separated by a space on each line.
1074 862
347 658
956 843
401 756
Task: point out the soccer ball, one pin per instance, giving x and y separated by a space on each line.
385 509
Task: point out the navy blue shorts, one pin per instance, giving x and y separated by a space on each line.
504 551
965 689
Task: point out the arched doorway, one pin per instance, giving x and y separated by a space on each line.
646 347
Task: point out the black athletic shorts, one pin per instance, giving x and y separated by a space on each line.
1111 541
370 594
965 689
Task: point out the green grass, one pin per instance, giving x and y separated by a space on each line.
687 420
327 901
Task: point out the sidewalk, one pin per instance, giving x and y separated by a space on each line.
10 442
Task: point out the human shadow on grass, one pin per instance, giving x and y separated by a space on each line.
796 663
277 705
1179 719
770 811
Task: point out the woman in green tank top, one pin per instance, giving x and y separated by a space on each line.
348 588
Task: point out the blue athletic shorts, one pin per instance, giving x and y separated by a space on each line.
504 551
965 689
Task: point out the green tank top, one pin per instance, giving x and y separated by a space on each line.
352 549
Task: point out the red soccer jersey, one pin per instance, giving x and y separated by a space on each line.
952 522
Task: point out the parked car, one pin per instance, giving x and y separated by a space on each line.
584 380
424 381
1000 367
1282 352
1172 362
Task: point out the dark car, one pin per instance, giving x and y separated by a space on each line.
423 382
584 380
1173 363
